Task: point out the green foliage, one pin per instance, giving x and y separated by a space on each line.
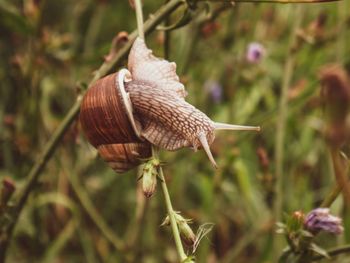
81 211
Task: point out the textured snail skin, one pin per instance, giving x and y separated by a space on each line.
159 108
107 127
168 120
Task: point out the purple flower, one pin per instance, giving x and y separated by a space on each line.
320 219
214 89
255 52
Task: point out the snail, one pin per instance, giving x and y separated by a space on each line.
125 112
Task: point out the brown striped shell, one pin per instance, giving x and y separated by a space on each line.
107 127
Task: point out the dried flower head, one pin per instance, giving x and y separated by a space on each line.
320 219
255 52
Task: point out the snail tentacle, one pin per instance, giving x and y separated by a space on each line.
233 127
203 140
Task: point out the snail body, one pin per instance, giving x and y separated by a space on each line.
170 122
125 112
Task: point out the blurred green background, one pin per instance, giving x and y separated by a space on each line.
49 51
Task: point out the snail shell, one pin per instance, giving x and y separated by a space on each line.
107 127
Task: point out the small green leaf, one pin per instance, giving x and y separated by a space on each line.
317 249
306 233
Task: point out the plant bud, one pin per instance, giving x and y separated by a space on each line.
186 233
149 177
335 94
320 219
295 221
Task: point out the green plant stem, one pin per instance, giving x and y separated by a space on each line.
341 41
93 30
171 212
332 196
135 228
139 18
94 214
340 173
281 122
53 142
167 36
334 252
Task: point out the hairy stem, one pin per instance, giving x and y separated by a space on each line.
171 212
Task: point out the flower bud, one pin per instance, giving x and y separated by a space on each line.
186 233
255 52
320 219
149 177
214 89
295 221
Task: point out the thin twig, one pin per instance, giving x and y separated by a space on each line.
167 36
55 139
134 230
334 252
170 210
340 172
94 214
139 18
332 196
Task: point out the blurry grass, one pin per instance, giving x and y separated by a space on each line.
39 72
